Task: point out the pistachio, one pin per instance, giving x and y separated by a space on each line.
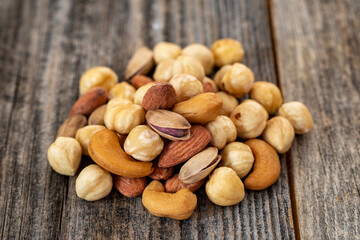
168 124
200 165
140 63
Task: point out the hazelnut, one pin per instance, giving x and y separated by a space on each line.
64 155
229 103
188 65
123 90
279 133
268 95
84 135
140 93
93 183
203 54
163 71
298 115
97 77
222 131
238 80
186 86
166 50
209 85
219 75
143 144
122 115
249 119
227 51
239 157
224 187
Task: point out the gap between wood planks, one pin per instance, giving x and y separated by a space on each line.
288 157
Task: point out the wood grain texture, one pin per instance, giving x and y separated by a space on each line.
318 55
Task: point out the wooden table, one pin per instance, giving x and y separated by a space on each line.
311 49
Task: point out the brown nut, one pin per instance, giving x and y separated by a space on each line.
266 168
140 93
123 90
203 54
268 95
168 124
238 80
163 71
299 116
140 80
71 125
229 103
97 116
129 187
159 96
161 174
84 135
179 205
249 119
105 150
209 85
188 65
140 63
227 51
174 184
222 131
88 102
202 108
219 75
97 77
180 151
186 86
166 50
279 133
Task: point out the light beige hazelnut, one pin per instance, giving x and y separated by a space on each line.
298 115
188 65
222 131
122 115
239 157
224 187
219 75
166 50
279 133
64 155
143 144
140 93
227 51
203 54
93 183
97 77
163 71
209 85
238 80
186 86
249 119
124 90
84 135
229 103
268 95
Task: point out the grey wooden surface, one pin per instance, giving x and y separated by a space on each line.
311 49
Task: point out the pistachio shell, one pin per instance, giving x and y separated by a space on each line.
168 124
200 165
140 63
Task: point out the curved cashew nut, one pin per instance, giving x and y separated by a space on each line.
266 167
105 150
179 205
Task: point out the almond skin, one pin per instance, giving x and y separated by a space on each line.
140 80
174 184
159 96
179 151
161 174
129 187
88 102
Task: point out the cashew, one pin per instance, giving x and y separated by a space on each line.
105 150
179 205
266 167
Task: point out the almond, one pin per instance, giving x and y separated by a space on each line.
140 80
180 151
174 184
161 173
159 96
88 102
129 187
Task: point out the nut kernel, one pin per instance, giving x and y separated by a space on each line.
238 80
227 51
222 131
298 115
140 93
97 77
229 103
203 54
123 90
188 65
84 135
186 86
163 71
97 116
166 50
209 85
268 95
219 75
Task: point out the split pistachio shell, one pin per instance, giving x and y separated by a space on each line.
168 124
140 63
200 165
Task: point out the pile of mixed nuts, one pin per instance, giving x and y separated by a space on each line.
170 129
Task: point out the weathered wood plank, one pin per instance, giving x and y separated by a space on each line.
318 53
